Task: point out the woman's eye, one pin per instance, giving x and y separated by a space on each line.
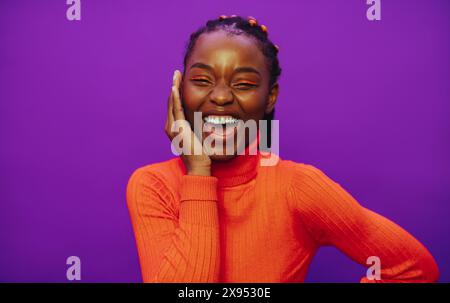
202 82
244 86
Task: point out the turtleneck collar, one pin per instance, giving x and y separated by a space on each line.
239 170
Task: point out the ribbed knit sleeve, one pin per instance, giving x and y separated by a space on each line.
177 241
333 217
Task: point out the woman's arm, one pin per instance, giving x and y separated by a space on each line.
333 217
175 245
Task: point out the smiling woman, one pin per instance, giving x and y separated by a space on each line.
215 217
229 74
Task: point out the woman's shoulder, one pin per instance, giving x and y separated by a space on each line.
296 167
301 172
167 172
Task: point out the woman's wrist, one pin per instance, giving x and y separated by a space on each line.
199 172
198 168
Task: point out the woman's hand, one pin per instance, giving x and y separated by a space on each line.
196 164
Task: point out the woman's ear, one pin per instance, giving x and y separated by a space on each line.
273 95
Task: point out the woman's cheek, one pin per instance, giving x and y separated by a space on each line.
193 97
192 101
253 103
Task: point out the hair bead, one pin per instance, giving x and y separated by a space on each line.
252 20
264 29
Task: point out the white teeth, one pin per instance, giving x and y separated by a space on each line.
220 119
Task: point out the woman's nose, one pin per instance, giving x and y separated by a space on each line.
221 95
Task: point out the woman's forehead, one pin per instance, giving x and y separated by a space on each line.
221 48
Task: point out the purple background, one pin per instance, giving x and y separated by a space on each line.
83 104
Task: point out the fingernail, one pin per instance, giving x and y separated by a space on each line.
174 75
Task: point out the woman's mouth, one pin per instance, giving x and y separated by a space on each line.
222 120
221 127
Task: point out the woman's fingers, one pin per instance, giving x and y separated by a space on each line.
176 118
177 78
178 112
170 117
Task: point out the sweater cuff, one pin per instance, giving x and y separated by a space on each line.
198 201
198 188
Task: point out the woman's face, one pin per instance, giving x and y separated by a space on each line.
226 77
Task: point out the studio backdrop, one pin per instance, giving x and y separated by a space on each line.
83 100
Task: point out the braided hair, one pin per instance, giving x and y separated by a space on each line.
237 25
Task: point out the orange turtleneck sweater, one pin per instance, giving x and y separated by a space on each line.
253 223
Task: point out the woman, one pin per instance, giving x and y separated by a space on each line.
223 217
